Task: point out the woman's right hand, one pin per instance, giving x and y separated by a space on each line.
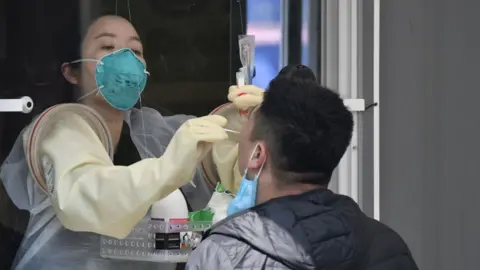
201 132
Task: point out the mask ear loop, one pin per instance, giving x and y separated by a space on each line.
87 60
261 167
260 171
96 89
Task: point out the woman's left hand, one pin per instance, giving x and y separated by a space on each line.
245 97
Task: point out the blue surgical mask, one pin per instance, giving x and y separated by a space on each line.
120 77
247 193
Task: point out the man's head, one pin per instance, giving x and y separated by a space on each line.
298 71
300 131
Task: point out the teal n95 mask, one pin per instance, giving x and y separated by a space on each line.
120 78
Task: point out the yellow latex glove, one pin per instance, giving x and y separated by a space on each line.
89 193
245 97
221 164
225 157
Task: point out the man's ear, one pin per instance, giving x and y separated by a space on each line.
69 73
259 157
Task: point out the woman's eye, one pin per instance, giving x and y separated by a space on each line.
108 47
137 52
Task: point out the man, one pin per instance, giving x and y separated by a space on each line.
288 150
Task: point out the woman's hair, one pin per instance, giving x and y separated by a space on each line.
70 48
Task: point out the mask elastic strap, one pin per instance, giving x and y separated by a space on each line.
90 93
129 12
260 171
87 60
261 167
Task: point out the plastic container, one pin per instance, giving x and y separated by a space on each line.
141 244
167 236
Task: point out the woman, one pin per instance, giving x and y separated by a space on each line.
61 239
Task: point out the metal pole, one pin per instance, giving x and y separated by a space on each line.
376 109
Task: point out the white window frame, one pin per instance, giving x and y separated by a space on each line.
341 53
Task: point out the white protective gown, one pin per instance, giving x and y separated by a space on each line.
47 244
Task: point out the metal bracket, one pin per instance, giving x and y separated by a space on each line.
355 105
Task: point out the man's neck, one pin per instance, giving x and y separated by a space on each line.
282 190
295 189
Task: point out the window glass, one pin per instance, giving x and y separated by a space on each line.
305 27
187 45
264 22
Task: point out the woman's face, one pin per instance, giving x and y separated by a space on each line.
105 35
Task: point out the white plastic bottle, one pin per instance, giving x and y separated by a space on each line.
174 206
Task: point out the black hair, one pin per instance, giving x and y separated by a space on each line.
75 32
298 71
306 128
70 48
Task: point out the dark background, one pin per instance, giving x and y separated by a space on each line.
191 50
